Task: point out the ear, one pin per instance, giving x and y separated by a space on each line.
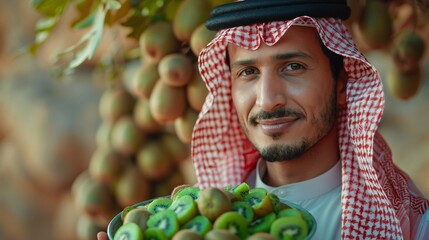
342 87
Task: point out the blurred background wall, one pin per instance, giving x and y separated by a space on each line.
48 126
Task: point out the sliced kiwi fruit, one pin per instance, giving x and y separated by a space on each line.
159 204
177 188
187 234
223 234
277 204
290 212
165 220
212 203
244 208
258 190
289 227
255 196
154 234
233 222
194 192
199 224
262 224
261 236
185 208
238 212
128 231
308 219
260 201
241 190
140 216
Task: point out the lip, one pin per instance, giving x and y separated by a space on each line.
276 125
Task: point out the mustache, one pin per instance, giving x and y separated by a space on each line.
277 113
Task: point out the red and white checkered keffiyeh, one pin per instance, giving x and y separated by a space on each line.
376 200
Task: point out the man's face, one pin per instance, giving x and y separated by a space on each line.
284 95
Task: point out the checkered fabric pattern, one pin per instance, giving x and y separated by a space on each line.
376 201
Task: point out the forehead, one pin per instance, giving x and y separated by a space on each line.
296 38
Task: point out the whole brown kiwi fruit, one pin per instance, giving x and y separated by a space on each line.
212 202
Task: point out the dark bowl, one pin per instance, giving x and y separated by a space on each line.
116 222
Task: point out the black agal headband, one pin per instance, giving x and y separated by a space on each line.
258 11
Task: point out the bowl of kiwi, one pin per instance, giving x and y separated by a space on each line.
192 213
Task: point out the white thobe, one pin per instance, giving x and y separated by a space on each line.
321 196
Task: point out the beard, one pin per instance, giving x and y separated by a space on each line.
324 122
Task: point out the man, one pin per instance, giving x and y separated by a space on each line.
294 107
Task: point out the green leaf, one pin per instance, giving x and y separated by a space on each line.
50 8
84 23
86 10
44 28
93 39
87 45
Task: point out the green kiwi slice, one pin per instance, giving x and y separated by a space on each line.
260 201
165 220
154 234
129 231
244 208
259 191
290 212
241 190
140 216
158 205
262 224
200 224
255 196
194 192
275 200
185 208
289 227
233 222
309 220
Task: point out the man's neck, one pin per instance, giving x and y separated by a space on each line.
317 160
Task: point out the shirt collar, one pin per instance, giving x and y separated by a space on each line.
294 192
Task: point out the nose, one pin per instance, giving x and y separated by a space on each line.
271 92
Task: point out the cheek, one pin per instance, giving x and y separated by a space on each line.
243 101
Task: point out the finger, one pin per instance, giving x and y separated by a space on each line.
102 236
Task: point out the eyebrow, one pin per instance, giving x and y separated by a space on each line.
281 56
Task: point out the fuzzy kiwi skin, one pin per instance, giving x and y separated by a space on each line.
216 234
212 203
140 216
187 234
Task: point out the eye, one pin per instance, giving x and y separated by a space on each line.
294 67
247 71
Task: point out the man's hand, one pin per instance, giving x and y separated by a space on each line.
102 236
